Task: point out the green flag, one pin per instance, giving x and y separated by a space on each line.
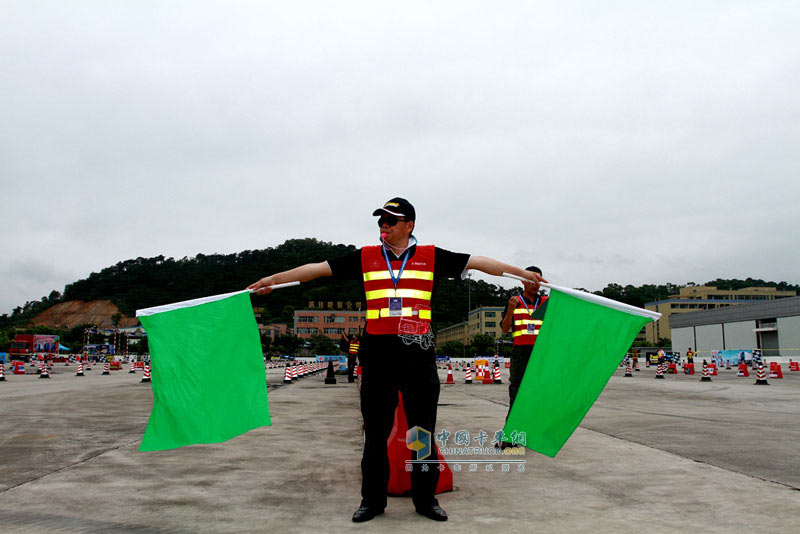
209 381
582 339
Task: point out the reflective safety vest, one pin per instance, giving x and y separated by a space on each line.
522 332
354 347
414 288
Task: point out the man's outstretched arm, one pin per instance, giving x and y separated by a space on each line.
304 273
497 268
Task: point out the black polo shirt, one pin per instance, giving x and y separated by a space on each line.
446 264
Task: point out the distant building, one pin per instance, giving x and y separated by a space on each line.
332 323
273 330
483 320
772 326
456 332
699 298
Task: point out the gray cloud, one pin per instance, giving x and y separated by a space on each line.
624 143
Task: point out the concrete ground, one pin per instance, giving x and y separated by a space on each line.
672 455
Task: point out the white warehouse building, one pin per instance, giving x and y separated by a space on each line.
773 327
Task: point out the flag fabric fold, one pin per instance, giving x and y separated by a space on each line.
209 380
581 342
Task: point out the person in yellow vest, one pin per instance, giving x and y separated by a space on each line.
399 277
352 354
523 317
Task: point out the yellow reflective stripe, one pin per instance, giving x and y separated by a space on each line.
407 312
521 322
525 333
402 293
407 275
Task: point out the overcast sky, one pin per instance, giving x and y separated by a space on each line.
628 142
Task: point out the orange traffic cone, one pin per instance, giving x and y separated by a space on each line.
398 453
742 370
794 366
776 372
487 376
450 374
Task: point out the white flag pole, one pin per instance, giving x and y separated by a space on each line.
597 299
202 300
279 286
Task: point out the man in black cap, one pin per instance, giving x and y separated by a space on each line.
523 316
399 278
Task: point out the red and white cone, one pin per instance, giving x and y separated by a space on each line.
450 374
628 370
39 368
659 371
706 375
497 378
45 372
761 376
294 372
133 368
287 375
146 373
487 376
468 375
107 369
2 373
80 370
776 372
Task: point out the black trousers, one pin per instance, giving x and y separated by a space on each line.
520 355
389 366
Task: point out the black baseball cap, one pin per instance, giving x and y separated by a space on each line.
399 207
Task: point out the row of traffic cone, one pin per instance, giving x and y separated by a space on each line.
710 370
44 371
294 371
482 376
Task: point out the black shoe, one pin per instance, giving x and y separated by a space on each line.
435 512
365 513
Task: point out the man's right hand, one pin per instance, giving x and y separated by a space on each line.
513 302
263 286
